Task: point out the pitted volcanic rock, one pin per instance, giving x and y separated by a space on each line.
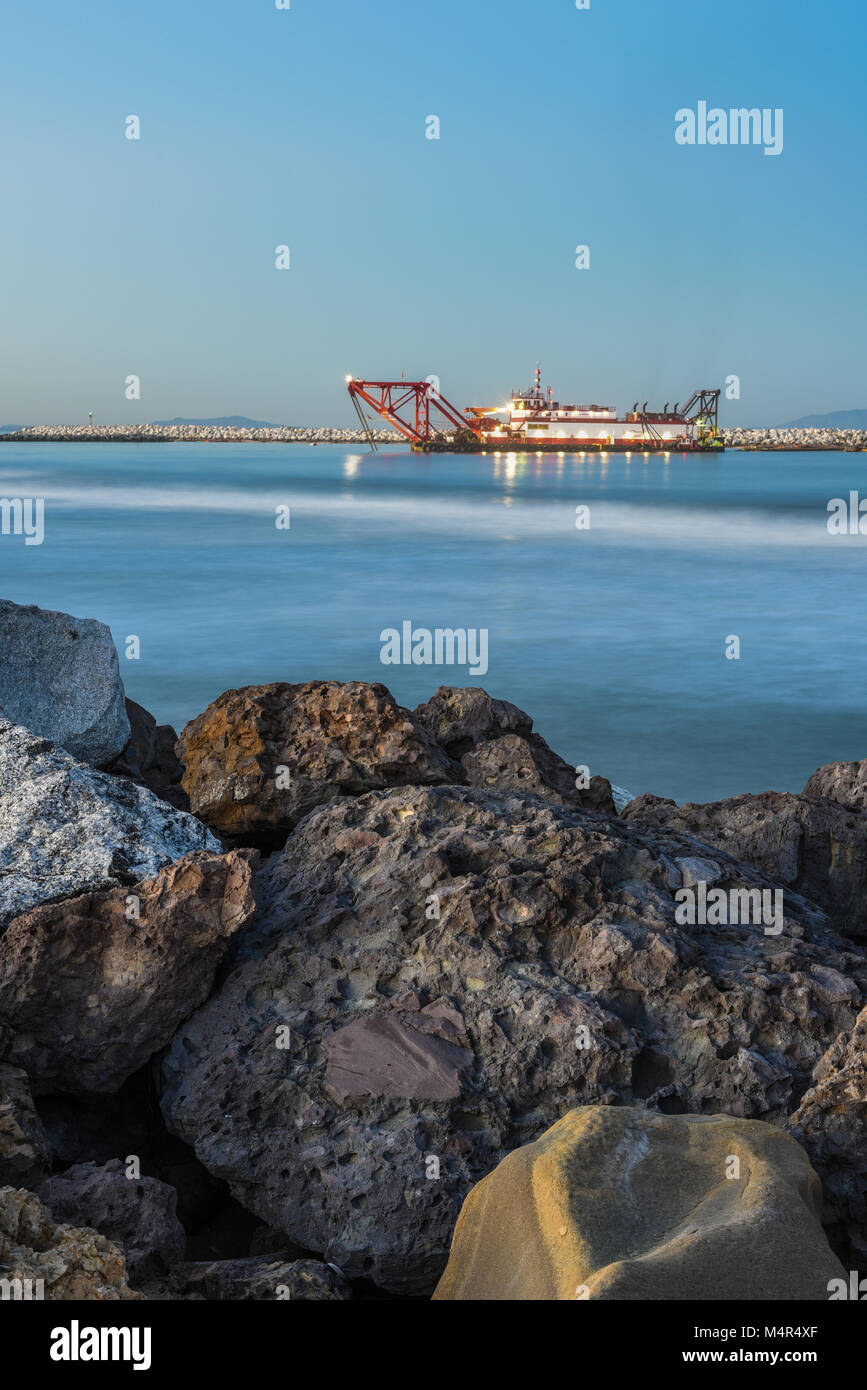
548 939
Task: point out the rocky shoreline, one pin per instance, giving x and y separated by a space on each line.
297 1004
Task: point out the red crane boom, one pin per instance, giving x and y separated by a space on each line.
390 398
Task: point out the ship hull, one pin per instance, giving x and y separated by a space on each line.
568 446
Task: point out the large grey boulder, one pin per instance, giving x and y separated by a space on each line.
66 828
59 677
436 975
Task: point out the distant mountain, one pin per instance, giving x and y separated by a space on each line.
10 429
837 420
239 422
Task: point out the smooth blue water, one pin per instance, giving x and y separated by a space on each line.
612 638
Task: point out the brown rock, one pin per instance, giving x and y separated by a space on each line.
626 1204
815 848
528 766
499 752
329 738
460 718
54 1262
90 993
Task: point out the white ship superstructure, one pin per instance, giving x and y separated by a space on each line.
535 417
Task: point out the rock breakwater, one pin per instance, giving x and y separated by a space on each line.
203 434
796 439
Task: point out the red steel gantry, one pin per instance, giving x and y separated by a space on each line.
389 398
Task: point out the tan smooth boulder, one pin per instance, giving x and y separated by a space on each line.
622 1203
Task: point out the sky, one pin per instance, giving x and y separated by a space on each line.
308 127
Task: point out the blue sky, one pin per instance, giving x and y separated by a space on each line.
456 256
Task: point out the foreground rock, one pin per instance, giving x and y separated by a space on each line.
120 971
817 848
626 1204
498 751
259 759
263 1278
56 1262
149 757
845 783
65 828
436 975
59 678
831 1123
25 1152
138 1214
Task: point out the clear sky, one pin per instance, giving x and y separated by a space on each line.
306 127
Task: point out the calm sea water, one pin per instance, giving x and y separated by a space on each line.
613 638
